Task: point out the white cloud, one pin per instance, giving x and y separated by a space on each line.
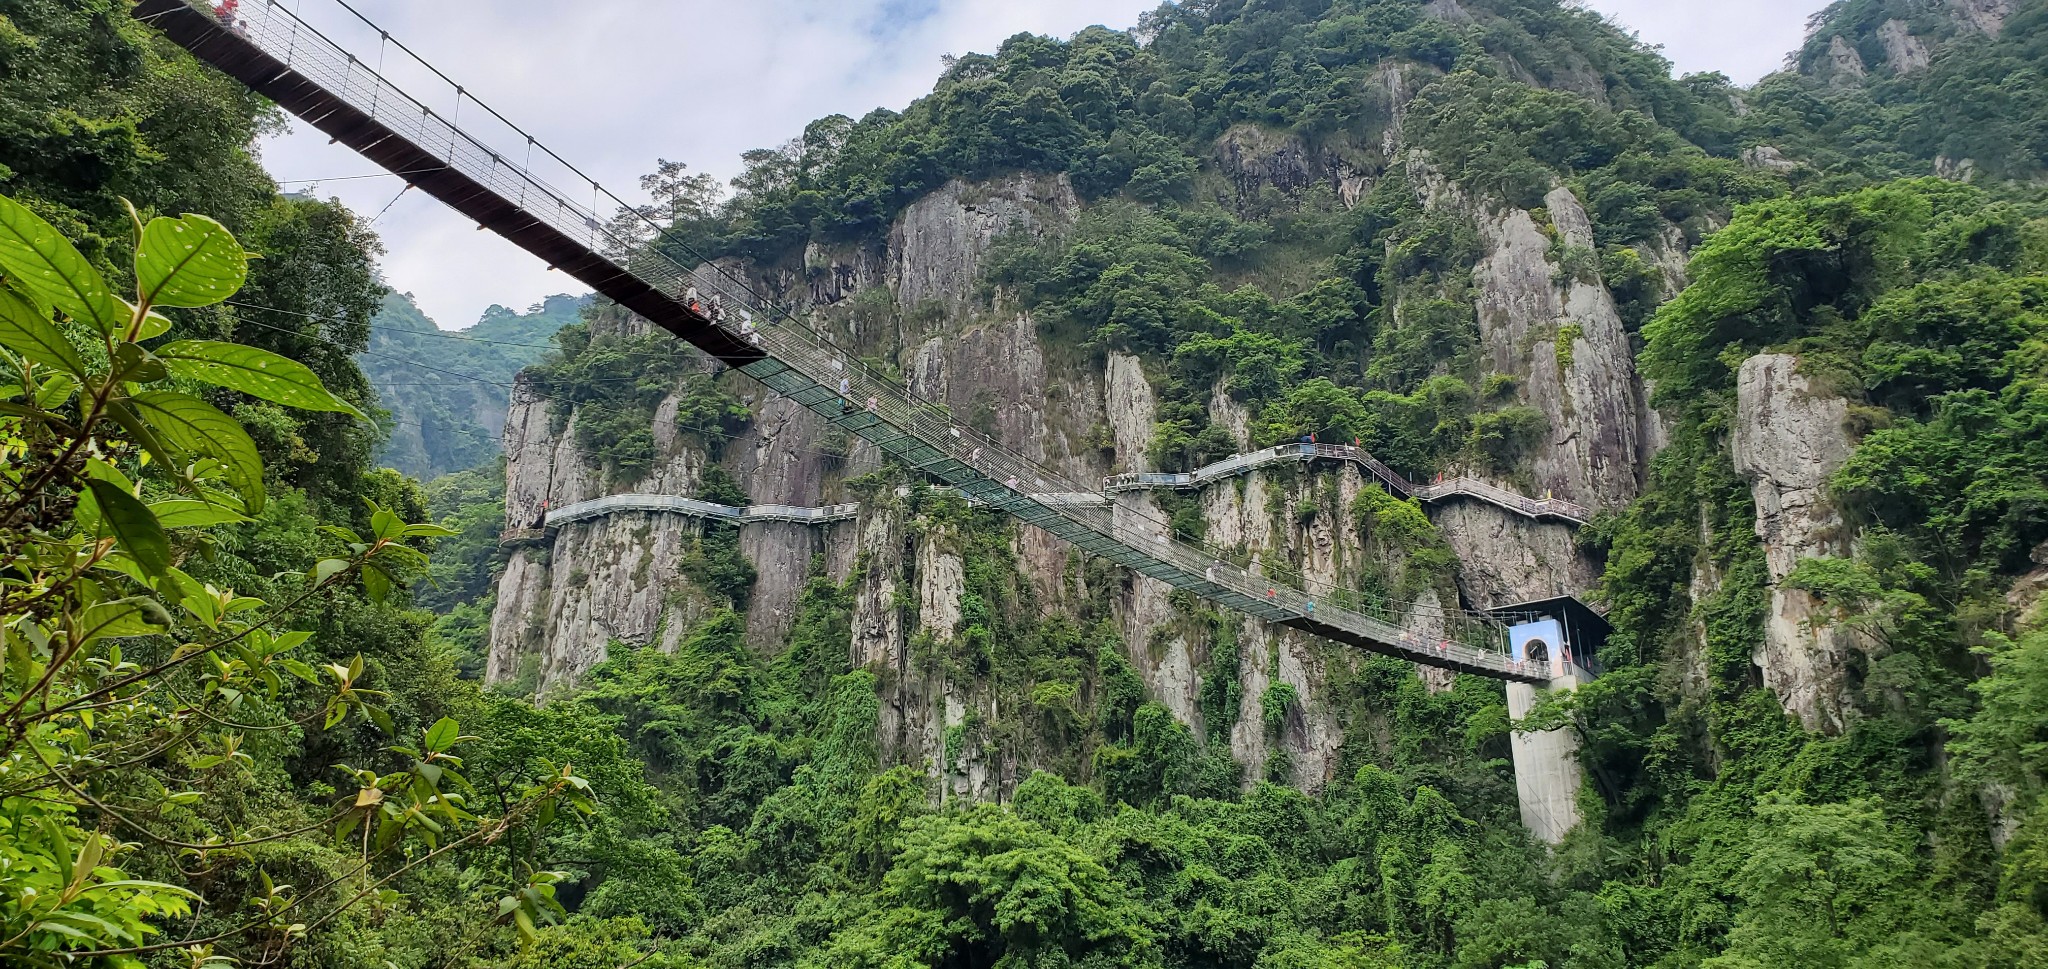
615 84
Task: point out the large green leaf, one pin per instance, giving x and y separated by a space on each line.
27 331
191 513
195 429
442 735
56 389
42 262
134 527
136 616
188 261
253 371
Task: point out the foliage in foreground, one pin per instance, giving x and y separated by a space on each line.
133 688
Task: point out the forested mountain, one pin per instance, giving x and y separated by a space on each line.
1789 344
446 389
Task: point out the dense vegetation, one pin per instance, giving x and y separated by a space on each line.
744 812
447 390
1721 833
200 570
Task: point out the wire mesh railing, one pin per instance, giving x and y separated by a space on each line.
476 141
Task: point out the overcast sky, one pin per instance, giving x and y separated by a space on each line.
615 84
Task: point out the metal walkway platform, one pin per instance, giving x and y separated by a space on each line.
512 185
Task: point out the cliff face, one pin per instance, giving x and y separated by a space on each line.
1558 335
1788 440
618 579
919 303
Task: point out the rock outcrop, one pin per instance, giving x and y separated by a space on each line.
1562 339
1768 158
1986 16
1254 159
2028 597
1843 66
1128 397
1903 52
1505 559
1788 440
936 247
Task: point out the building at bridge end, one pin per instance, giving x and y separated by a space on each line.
1561 635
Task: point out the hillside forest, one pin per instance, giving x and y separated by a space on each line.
260 709
447 390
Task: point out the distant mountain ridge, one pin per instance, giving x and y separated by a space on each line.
441 421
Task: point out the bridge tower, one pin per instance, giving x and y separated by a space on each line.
1560 636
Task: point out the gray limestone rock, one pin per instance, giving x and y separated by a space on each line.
1768 158
1129 398
1588 393
1506 559
1844 65
936 246
1788 441
1903 52
1987 16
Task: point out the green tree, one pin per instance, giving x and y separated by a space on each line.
129 683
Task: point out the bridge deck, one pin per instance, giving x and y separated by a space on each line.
282 57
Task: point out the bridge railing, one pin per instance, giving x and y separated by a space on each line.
473 139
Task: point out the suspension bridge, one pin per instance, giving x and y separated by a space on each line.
462 152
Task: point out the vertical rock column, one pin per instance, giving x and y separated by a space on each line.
1547 775
1788 440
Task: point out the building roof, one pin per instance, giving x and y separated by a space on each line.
1569 609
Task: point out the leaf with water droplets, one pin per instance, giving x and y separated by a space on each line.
253 371
189 261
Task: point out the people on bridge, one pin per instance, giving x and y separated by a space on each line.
1310 607
845 395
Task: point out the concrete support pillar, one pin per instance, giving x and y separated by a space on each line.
1547 775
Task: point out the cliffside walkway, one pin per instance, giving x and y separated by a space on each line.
1111 487
613 504
477 162
1234 465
